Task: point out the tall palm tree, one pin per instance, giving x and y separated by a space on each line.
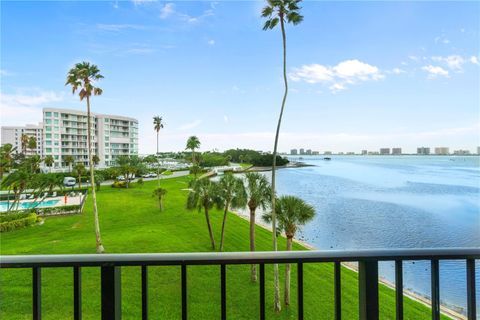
69 161
49 161
34 162
292 212
202 196
79 171
157 126
283 11
258 195
24 141
230 194
83 77
192 144
32 144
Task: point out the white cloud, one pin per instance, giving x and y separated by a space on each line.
211 42
454 62
190 125
141 2
414 58
474 60
167 10
434 71
397 71
346 72
25 107
225 119
118 27
5 73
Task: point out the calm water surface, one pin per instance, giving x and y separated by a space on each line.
371 202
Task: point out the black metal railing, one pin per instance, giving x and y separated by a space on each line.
368 260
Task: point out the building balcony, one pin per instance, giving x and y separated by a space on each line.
368 282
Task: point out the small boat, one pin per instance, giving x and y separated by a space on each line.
327 158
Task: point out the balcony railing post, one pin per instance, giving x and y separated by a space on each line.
144 293
77 293
111 293
471 302
435 290
399 289
338 290
37 293
368 289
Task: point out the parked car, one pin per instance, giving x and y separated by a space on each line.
150 175
122 177
69 181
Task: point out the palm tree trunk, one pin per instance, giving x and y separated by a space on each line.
252 243
98 237
157 142
224 222
210 231
276 280
287 273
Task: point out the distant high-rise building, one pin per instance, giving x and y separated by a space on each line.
397 151
308 152
350 153
461 152
384 150
327 153
423 150
294 152
13 136
442 150
364 152
315 153
302 151
373 152
478 150
65 134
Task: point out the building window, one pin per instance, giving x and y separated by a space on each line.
57 136
55 114
48 121
48 150
48 135
55 121
48 114
48 142
55 150
48 128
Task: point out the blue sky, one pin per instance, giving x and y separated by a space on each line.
363 75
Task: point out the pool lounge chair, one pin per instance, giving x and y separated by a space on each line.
54 194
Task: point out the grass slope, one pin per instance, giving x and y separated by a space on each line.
130 222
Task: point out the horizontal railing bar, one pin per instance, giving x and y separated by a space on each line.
212 258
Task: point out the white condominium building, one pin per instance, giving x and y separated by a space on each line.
13 136
65 134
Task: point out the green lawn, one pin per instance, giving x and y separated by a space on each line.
130 222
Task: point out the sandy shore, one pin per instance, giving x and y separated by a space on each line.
353 266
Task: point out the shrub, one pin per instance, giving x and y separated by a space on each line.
56 210
14 221
119 184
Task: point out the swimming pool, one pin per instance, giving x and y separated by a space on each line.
4 205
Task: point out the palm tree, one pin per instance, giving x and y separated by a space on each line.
79 171
34 162
230 194
192 144
202 196
49 161
69 161
96 160
283 11
292 212
6 158
157 125
258 195
32 144
160 193
24 141
83 76
18 181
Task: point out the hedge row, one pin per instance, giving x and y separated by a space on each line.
22 220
